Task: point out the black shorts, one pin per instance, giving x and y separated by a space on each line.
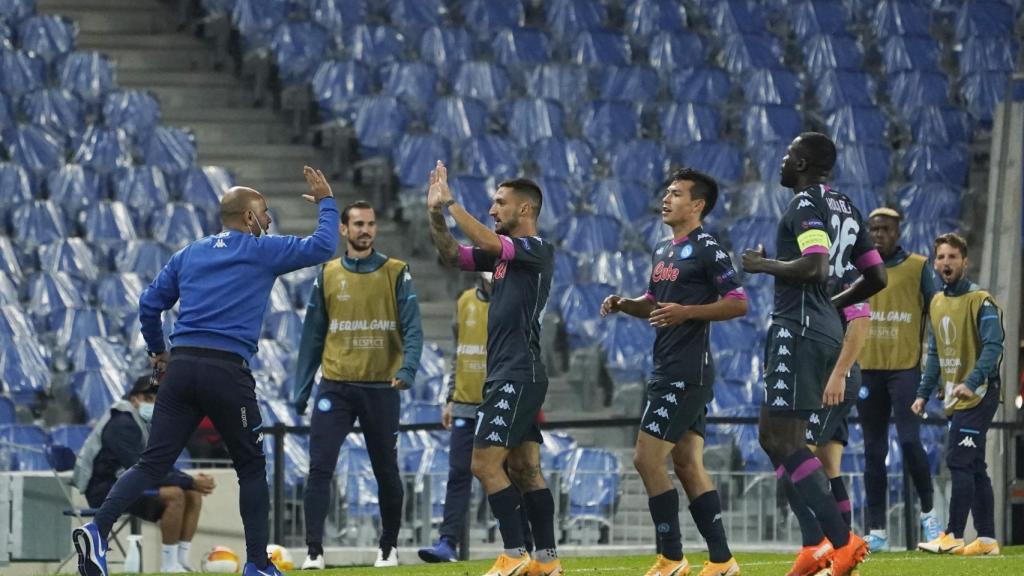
508 415
673 408
829 424
796 371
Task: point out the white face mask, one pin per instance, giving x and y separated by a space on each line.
263 232
146 411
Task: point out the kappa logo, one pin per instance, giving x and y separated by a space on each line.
220 243
508 388
783 351
679 384
783 333
653 427
717 518
503 404
780 385
804 194
499 421
661 412
493 437
808 435
967 442
703 236
804 204
670 398
719 255
780 402
782 368
814 418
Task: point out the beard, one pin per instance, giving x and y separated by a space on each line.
361 243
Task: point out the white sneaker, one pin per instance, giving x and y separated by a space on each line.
175 568
386 558
311 563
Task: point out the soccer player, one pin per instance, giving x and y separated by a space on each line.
516 382
965 347
222 284
819 236
692 284
891 364
362 327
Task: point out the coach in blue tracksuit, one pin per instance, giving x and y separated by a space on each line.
222 284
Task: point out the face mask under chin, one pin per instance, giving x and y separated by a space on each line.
146 411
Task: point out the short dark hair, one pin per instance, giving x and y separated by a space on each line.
953 239
528 189
356 204
819 150
141 386
704 187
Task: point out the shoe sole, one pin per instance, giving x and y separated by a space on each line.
83 546
734 570
433 558
925 548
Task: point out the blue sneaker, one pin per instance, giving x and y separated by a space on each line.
91 549
930 527
251 570
443 551
878 541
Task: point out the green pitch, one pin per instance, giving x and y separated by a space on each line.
752 564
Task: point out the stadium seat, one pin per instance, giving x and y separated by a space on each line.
772 86
76 324
592 233
644 161
864 197
256 21
489 156
534 119
96 390
605 124
929 202
761 199
15 324
375 45
21 72
893 18
939 125
645 18
107 223
58 111
298 48
568 159
412 16
413 83
909 54
521 47
631 83
559 82
15 11
867 165
567 18
285 328
50 36
486 17
38 222
565 273
458 119
819 17
985 19
143 190
88 74
626 345
671 51
416 155
421 413
742 54
838 88
379 123
946 164
97 353
749 232
599 48
559 195
338 16
554 448
982 91
700 86
911 90
103 149
144 257
918 235
70 435
24 371
172 150
118 294
446 47
36 149
9 290
176 225
985 54
74 187
25 446
485 81
15 187
203 187
360 485
8 413
590 484
336 85
857 125
832 52
579 306
70 255
621 198
629 271
474 194
721 160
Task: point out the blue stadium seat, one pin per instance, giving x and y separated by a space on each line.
118 294
622 199
25 446
894 18
71 435
360 492
88 74
416 156
652 231
565 273
458 118
446 47
144 257
176 225
721 160
489 156
911 90
725 334
284 327
863 197
375 45
743 54
590 484
432 364
419 412
256 21
15 187
592 233
929 202
59 111
486 17
300 284
910 53
336 86
558 197
832 52
598 48
838 88
97 353
413 83
749 232
49 36
50 294
272 361
947 164
645 161
172 150
857 125
298 48
579 306
412 16
143 190
203 187
982 91
107 223
21 72
379 123
96 390
628 271
15 324
38 222
74 187
867 165
984 54
7 111
534 119
735 17
521 47
70 255
567 18
555 447
918 235
605 124
474 194
137 112
700 85
670 51
7 411
76 324
825 17
939 125
338 15
15 11
631 83
36 149
739 365
568 159
645 18
772 86
627 345
761 199
985 19
9 290
103 149
559 82
485 81
6 35
24 371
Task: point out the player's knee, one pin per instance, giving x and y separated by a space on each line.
256 467
172 496
645 463
483 469
527 477
193 499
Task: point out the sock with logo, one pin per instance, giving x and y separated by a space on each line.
505 505
706 510
184 548
805 473
810 531
842 500
540 508
665 513
168 558
960 501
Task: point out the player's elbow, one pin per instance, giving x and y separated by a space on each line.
878 277
735 308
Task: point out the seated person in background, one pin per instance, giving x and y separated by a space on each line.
114 445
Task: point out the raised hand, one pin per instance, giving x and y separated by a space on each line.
318 186
438 193
610 305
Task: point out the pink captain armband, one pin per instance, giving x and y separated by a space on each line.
466 261
814 249
737 294
868 259
508 250
651 297
854 311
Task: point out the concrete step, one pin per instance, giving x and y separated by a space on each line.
171 58
194 96
238 115
208 79
119 20
51 6
268 131
106 41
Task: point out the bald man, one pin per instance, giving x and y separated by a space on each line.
222 284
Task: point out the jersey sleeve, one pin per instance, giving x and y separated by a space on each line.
864 254
806 222
472 259
721 273
527 251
